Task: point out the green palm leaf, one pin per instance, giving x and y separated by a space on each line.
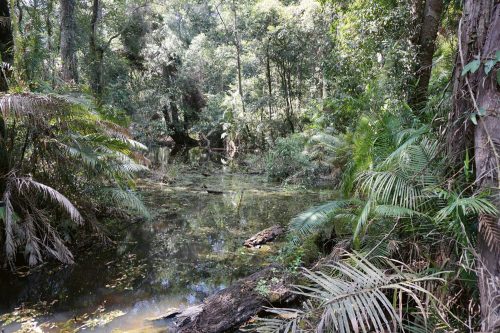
315 218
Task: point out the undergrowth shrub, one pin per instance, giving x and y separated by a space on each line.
286 158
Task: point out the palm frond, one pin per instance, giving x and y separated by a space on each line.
287 321
391 187
490 227
18 105
356 299
404 140
464 206
52 195
362 222
32 248
127 199
313 219
397 211
8 220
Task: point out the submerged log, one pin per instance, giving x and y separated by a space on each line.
266 235
235 305
214 192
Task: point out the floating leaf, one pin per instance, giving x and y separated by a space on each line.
482 112
472 67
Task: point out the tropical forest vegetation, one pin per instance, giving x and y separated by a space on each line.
250 166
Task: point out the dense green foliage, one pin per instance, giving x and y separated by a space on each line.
321 90
52 145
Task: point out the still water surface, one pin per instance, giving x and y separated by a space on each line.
191 248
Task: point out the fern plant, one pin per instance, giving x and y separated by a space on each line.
50 145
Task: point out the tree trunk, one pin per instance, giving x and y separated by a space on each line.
429 26
97 55
69 70
479 93
269 83
264 236
176 128
17 45
237 44
6 44
50 45
284 83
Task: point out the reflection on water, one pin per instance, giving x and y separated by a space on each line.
190 249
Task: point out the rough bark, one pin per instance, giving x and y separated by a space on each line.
264 236
96 54
431 21
50 46
69 70
479 38
233 306
6 43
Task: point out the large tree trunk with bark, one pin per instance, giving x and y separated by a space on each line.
428 25
476 95
69 70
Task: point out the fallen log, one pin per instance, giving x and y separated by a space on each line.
214 192
235 305
265 236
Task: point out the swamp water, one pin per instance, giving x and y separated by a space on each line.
191 248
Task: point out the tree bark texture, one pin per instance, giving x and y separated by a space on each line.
477 94
233 306
96 53
426 40
69 70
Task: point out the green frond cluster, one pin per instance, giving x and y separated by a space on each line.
354 295
52 145
402 204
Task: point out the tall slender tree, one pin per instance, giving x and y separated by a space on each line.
6 42
428 19
69 70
